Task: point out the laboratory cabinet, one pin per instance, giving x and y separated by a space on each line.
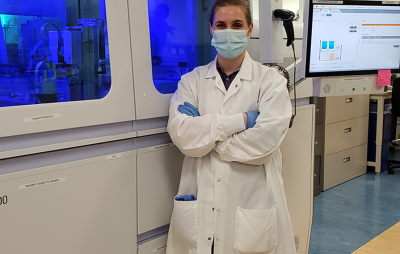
158 173
343 132
297 170
343 108
346 134
345 165
81 198
84 206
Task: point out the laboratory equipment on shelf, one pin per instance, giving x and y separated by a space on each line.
52 55
346 38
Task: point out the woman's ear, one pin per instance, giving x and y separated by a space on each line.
250 30
211 30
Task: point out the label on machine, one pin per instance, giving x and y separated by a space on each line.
39 118
161 147
42 183
354 79
113 156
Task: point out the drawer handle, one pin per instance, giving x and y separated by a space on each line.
346 159
348 100
347 130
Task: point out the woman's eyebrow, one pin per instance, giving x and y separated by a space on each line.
220 22
238 20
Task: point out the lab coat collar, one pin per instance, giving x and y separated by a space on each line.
245 70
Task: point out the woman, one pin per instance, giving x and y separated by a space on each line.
229 119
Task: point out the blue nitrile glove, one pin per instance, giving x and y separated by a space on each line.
188 109
251 118
186 198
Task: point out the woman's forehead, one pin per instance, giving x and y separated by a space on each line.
229 14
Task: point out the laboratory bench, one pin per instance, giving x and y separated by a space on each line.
376 162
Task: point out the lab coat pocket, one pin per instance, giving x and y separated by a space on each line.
184 221
256 231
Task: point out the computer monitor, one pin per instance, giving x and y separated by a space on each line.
352 38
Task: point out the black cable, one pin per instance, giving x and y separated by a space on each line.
294 88
288 83
286 75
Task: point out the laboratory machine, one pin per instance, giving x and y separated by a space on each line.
55 65
347 42
86 165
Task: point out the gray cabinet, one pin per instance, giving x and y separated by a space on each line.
341 139
84 206
158 175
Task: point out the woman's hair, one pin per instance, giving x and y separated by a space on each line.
244 4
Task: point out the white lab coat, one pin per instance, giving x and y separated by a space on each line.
235 174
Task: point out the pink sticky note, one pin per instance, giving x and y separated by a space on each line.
384 77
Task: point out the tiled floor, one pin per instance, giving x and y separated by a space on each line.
386 243
349 215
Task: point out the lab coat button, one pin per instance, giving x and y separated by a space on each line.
218 210
209 239
219 180
213 208
217 239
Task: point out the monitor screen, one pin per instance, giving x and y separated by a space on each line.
352 38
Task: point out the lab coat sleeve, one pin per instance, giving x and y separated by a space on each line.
197 136
257 145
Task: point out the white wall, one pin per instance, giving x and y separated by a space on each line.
292 5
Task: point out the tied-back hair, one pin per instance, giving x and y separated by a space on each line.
244 4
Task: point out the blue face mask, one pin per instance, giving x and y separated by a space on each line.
229 43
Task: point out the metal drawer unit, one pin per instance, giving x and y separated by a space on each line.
341 127
345 108
346 134
345 165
